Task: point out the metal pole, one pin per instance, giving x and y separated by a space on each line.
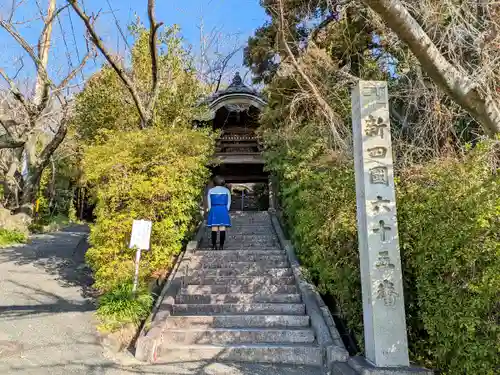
242 200
136 275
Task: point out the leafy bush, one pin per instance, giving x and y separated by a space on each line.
150 174
11 237
156 174
120 306
449 235
450 240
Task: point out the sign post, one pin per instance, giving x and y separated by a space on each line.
139 240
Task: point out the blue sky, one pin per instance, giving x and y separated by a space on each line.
235 20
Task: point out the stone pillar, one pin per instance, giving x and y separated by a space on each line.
380 263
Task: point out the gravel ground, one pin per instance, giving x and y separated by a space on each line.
47 324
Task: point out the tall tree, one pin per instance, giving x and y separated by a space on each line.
144 104
449 74
33 125
455 42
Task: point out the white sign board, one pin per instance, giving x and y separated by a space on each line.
141 234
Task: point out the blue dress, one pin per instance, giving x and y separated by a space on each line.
219 203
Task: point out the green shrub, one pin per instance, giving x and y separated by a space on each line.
449 229
11 237
450 240
120 306
150 174
155 174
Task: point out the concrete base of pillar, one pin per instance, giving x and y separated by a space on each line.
360 366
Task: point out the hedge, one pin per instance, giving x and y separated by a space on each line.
449 228
152 174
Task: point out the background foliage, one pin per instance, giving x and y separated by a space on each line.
449 236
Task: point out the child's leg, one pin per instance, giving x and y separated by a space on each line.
214 237
222 236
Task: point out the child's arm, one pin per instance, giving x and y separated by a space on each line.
209 203
228 199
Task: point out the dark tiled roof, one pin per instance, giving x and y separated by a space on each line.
236 87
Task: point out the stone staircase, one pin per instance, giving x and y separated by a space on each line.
240 303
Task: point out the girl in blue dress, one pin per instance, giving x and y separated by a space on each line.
219 203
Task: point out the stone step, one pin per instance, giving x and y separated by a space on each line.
219 336
216 258
240 246
236 321
245 289
231 236
206 252
265 264
243 246
235 245
244 238
309 355
250 215
237 298
246 224
237 309
240 272
255 280
240 222
245 230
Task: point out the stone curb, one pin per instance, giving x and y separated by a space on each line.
151 334
360 366
321 319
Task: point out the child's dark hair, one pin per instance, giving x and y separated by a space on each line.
219 181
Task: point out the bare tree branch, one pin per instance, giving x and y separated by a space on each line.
224 65
330 114
16 93
6 141
54 143
153 29
75 71
120 71
47 23
457 85
22 128
25 45
323 24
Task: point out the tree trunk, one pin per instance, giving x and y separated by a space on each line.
41 86
30 190
457 85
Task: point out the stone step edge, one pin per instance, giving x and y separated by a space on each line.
229 316
252 308
237 294
240 266
266 276
267 269
213 298
254 248
309 354
208 251
241 329
239 280
205 290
